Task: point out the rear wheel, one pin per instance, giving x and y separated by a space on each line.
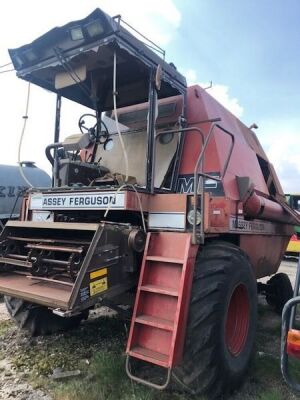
279 290
39 320
222 322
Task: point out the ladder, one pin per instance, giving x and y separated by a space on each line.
160 312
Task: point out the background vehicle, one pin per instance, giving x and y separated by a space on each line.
13 187
294 244
174 201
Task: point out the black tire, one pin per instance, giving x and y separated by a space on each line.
209 366
279 290
39 320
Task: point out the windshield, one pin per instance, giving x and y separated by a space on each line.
133 128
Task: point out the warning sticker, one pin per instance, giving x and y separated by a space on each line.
98 286
98 273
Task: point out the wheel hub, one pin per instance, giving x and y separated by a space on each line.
237 321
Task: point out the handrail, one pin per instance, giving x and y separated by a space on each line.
200 160
288 321
179 130
202 174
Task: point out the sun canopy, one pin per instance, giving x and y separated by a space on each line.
76 61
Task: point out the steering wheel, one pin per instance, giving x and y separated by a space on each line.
95 130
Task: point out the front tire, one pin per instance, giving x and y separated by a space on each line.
39 320
222 322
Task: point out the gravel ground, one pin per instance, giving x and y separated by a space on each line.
13 384
3 313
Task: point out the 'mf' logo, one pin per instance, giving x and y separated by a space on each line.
185 184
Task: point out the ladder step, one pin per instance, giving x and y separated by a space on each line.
149 355
160 289
156 322
165 259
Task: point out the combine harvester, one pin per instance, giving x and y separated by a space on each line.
176 203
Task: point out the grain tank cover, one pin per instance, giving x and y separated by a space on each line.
82 51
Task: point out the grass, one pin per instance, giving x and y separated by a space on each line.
5 326
271 394
96 348
72 350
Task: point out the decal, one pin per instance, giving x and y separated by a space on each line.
76 201
185 184
241 224
98 286
98 273
42 216
84 294
256 226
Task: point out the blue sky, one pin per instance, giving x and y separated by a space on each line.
251 46
249 49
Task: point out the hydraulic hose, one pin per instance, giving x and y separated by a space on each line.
25 118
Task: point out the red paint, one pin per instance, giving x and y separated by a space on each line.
293 350
158 324
243 161
237 321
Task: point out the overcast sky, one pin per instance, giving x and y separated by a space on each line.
248 49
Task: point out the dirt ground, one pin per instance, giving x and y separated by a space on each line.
21 379
13 383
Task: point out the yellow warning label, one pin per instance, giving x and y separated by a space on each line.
98 273
98 286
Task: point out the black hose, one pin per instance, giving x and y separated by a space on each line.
48 151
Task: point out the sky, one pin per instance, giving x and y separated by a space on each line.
248 49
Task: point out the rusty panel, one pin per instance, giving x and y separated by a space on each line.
43 293
53 225
168 202
219 212
265 252
201 107
132 202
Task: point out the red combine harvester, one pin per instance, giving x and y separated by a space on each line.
165 195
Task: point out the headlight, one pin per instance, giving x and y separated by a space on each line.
191 217
76 33
94 28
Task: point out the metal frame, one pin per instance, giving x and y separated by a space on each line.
118 18
122 38
56 138
192 129
199 163
203 175
150 168
144 381
288 320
